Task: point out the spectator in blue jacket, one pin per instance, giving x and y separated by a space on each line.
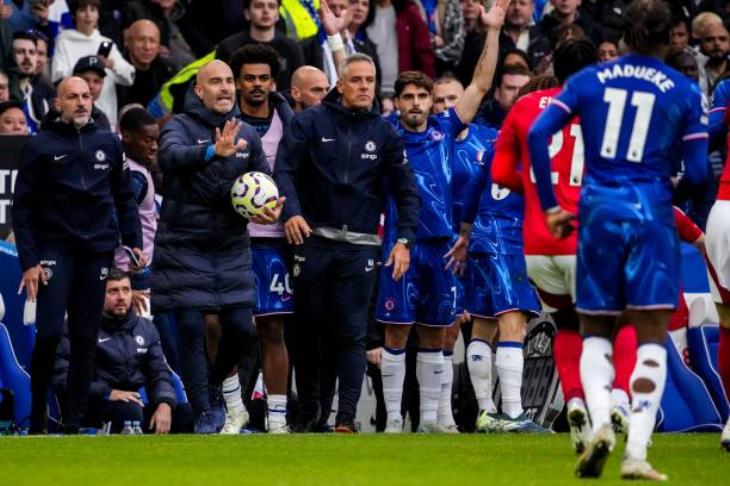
72 201
128 357
202 259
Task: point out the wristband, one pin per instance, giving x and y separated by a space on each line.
335 42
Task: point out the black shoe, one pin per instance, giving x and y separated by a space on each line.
303 427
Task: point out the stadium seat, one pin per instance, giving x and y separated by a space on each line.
703 342
687 405
177 384
21 336
14 377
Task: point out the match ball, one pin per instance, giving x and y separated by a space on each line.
252 192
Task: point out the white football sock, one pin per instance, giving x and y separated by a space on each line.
619 398
445 413
479 362
276 406
509 363
232 394
647 388
596 376
393 371
429 368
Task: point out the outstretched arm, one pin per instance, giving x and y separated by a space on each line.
481 81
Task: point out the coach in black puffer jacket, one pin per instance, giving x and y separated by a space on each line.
202 259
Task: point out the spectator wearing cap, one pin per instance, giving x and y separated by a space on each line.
91 70
12 119
143 48
37 93
85 40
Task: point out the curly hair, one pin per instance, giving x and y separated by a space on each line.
255 54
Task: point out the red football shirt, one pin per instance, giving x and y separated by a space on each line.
512 157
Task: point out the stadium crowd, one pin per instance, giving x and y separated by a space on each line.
140 265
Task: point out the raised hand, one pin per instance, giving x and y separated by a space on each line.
495 17
332 24
225 140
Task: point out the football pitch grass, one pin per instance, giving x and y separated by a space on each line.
335 459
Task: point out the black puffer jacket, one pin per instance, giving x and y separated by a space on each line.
202 259
128 357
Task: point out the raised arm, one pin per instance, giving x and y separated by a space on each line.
481 81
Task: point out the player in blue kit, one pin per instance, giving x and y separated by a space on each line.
470 148
633 111
426 295
499 294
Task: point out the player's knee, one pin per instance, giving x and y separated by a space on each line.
599 326
430 337
271 332
512 326
450 341
396 336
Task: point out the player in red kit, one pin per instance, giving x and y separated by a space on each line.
718 256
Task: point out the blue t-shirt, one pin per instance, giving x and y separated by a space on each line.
430 155
495 211
469 154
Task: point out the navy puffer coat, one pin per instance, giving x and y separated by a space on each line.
202 259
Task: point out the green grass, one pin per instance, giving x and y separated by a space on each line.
375 460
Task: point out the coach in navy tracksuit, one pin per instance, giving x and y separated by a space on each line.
72 201
202 259
335 165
